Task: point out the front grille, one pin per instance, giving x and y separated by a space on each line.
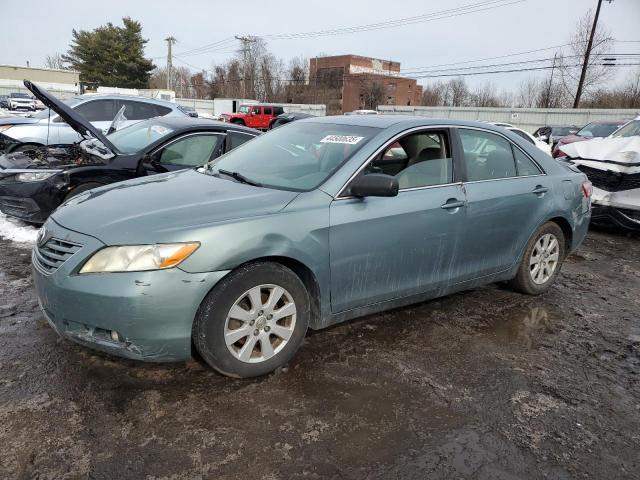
54 253
611 181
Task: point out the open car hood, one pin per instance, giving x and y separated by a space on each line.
73 119
619 151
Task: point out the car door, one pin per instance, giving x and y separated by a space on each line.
267 115
507 199
99 112
188 151
382 248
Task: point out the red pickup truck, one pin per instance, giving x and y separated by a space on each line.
254 116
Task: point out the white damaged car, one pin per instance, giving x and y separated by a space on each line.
613 167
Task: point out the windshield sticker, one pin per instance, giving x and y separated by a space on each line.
344 139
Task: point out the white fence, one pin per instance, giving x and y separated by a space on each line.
528 119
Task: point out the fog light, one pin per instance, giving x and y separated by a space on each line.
115 336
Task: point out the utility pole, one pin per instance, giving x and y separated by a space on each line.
170 41
245 50
553 67
585 64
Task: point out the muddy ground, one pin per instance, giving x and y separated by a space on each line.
484 384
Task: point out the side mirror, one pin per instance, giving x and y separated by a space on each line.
375 185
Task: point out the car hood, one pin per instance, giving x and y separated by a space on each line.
567 139
73 119
607 152
166 207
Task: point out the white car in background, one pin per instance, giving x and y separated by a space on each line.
545 147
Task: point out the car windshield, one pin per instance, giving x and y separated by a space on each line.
561 131
299 156
139 135
631 129
598 129
244 109
20 95
70 102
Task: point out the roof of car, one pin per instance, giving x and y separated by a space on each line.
117 96
183 123
386 121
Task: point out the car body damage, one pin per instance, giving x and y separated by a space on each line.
613 167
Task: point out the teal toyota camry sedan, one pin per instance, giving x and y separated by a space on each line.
314 223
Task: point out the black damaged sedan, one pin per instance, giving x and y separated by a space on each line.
34 183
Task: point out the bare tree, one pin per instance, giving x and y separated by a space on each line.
528 93
459 92
54 61
570 65
485 96
433 95
372 92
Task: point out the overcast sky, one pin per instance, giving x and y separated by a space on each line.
31 29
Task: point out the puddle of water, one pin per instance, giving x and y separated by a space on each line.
525 326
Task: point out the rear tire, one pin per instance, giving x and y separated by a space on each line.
253 321
83 187
542 260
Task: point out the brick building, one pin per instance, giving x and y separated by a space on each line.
351 82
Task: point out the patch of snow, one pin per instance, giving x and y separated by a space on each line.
17 231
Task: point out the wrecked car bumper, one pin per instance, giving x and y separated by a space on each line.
618 208
138 315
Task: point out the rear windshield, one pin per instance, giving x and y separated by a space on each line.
562 131
298 157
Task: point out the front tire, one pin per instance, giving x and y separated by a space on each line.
542 260
253 321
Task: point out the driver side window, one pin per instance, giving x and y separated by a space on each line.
417 160
191 151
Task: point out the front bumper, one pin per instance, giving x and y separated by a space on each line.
152 312
30 201
616 208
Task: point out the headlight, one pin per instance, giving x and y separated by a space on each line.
137 258
35 176
5 127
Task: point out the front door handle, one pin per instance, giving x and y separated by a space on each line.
539 190
452 203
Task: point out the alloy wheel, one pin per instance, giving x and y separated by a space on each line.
260 323
544 259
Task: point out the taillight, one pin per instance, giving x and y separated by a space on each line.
587 189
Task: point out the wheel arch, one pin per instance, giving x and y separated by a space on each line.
306 276
567 230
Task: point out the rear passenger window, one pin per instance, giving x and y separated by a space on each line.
487 156
417 160
141 110
524 164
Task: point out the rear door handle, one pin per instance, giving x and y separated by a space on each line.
452 203
539 190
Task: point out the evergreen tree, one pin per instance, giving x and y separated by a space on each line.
111 55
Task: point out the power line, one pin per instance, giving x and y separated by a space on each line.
439 15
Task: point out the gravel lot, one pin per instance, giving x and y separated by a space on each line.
484 384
